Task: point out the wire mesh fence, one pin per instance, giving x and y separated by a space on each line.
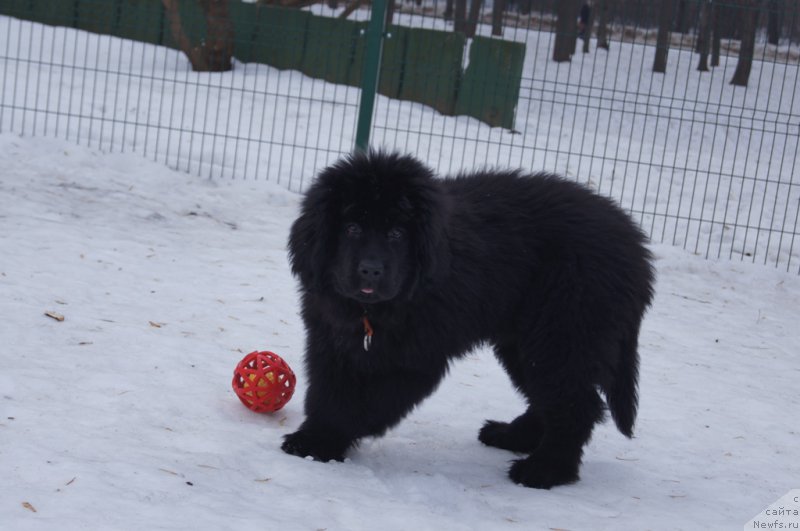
699 162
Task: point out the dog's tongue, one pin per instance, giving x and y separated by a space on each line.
367 290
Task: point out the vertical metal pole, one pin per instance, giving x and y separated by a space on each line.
372 67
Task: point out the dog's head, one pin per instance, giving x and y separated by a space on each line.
371 229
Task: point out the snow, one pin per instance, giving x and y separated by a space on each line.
122 417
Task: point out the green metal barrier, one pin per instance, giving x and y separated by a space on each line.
372 65
51 13
280 37
432 68
489 90
420 65
193 21
97 17
393 61
330 49
141 20
54 13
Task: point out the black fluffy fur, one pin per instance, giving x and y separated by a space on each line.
554 277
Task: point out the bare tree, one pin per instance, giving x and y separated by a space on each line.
566 30
749 18
498 7
601 6
460 18
390 8
716 33
350 8
662 40
587 29
448 10
472 18
774 22
681 18
704 35
215 52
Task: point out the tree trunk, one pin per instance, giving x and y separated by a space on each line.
566 30
460 19
448 10
219 36
587 31
774 22
749 18
498 7
525 6
472 18
662 40
704 35
680 20
601 6
716 33
213 55
349 8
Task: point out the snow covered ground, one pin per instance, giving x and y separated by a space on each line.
121 417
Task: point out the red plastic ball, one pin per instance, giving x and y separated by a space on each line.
263 381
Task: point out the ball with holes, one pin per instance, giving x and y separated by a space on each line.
263 381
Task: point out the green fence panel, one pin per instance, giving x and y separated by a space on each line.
141 20
61 14
280 37
432 70
53 13
356 71
420 65
244 19
490 87
17 8
330 49
393 62
193 21
97 16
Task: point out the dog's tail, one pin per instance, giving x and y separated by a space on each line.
622 395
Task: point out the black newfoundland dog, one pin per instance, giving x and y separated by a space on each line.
402 272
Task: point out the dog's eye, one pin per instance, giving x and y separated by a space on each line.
396 234
352 229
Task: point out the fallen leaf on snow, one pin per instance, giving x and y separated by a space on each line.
54 315
29 507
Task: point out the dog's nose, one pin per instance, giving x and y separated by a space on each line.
370 269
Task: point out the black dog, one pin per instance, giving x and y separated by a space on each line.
402 272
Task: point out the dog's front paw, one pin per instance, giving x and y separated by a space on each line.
305 444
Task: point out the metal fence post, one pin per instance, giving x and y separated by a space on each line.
372 66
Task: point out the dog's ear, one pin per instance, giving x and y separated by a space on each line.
310 237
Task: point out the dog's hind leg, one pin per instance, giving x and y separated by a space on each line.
568 419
